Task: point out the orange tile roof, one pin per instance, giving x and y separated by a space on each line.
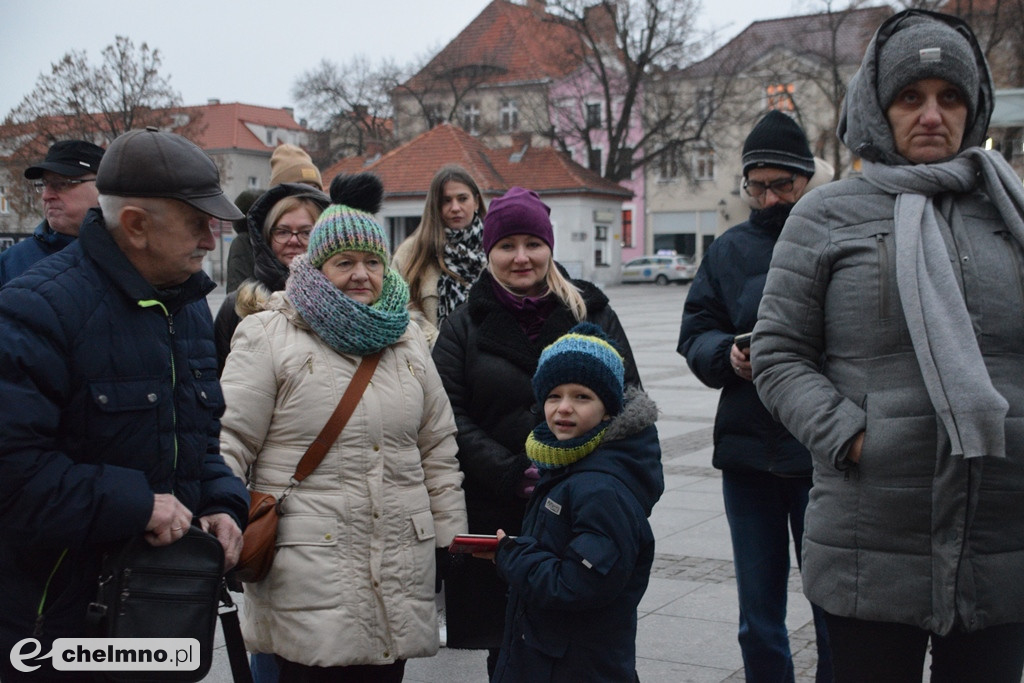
222 126
407 170
506 43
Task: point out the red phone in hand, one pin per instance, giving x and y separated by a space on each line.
473 543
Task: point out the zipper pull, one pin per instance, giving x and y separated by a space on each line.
411 371
309 364
170 324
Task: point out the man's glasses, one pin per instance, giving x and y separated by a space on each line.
281 236
756 188
60 186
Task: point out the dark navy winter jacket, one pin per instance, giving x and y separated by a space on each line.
722 302
583 561
110 395
17 259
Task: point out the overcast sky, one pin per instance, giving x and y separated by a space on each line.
252 51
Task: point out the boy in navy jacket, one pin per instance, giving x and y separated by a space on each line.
582 563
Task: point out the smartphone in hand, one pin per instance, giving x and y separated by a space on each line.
473 543
742 341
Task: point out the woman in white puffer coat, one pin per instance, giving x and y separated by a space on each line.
351 589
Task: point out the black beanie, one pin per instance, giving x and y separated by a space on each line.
778 142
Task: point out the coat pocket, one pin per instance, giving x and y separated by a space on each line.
307 571
125 406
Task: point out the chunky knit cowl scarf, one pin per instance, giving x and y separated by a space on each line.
347 325
971 410
546 452
463 255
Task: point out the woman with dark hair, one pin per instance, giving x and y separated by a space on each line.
889 343
443 257
486 353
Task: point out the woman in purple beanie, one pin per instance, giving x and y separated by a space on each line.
486 353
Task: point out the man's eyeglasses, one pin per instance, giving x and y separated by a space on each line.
756 188
60 186
281 236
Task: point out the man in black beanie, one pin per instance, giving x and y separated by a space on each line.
766 473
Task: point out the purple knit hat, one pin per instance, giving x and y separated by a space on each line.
517 212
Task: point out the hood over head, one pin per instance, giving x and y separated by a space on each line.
266 268
914 44
637 462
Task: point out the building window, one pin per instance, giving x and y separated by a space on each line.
471 118
594 160
509 115
705 103
704 164
779 96
434 113
270 136
5 206
601 245
593 116
253 182
670 164
627 228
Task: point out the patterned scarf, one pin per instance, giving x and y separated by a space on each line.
347 325
463 255
547 452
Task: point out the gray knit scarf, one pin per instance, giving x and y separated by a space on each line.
958 383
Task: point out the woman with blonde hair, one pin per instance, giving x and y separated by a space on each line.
280 222
444 256
486 353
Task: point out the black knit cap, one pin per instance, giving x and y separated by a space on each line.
778 142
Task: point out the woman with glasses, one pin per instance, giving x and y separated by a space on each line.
280 223
766 473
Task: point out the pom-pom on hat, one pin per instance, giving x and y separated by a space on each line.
584 356
348 223
924 47
778 142
517 212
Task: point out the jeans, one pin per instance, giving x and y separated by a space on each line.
763 510
264 667
882 652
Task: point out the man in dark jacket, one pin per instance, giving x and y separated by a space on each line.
111 402
66 180
766 473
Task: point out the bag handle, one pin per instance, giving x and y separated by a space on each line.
314 455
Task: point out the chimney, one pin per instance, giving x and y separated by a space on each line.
291 111
539 7
213 100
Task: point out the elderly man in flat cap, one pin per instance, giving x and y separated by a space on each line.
66 180
108 378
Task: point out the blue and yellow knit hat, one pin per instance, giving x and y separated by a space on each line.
348 223
584 356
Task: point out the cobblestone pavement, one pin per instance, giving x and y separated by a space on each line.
688 618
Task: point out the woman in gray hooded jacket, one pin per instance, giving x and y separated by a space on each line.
889 342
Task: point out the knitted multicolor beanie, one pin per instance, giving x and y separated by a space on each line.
584 356
348 223
345 324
